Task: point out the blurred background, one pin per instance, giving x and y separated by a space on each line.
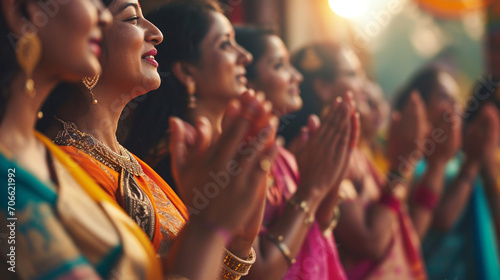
394 38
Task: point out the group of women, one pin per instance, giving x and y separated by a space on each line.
203 187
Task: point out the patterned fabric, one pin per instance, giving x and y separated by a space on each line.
469 249
72 230
402 259
318 257
170 212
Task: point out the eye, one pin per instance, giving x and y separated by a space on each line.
133 20
279 65
224 45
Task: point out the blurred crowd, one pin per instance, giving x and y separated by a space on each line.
173 145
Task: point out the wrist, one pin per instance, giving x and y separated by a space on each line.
469 170
240 247
311 196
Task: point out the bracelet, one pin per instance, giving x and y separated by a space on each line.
229 275
278 241
425 198
234 264
333 223
304 207
390 201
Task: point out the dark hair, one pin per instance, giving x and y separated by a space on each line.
315 61
8 62
253 39
424 82
184 25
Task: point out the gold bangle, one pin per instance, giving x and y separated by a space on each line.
227 274
278 241
304 207
238 265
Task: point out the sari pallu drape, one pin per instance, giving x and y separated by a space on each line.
72 229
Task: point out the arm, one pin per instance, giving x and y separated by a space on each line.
321 163
362 231
455 197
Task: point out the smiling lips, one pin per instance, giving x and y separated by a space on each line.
95 46
150 57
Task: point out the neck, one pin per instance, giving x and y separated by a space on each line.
19 120
213 111
101 119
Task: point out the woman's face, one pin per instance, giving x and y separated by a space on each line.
71 38
128 58
443 98
277 78
220 73
373 109
349 75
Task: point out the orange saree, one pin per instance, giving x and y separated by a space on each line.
170 213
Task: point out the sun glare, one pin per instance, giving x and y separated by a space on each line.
348 8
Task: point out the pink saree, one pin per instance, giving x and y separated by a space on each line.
318 258
402 259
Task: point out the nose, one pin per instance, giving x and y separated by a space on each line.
244 57
153 34
296 75
105 16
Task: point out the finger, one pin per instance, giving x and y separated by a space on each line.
337 124
313 123
234 136
355 123
260 167
204 133
232 111
265 136
327 121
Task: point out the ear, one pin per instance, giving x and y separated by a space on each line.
323 90
183 72
15 18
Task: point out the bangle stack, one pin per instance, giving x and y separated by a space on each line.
233 267
304 207
278 241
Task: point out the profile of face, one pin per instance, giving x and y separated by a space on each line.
373 109
443 98
276 77
350 77
220 73
71 38
129 48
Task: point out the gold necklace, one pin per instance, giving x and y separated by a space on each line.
71 136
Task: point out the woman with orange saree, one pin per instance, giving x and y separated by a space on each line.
89 123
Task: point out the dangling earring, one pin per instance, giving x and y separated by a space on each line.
90 83
191 89
28 52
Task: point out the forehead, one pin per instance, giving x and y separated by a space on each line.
275 46
117 6
348 59
219 26
448 85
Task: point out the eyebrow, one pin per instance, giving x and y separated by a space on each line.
228 35
126 5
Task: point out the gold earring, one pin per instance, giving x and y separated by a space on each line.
90 83
191 89
28 53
